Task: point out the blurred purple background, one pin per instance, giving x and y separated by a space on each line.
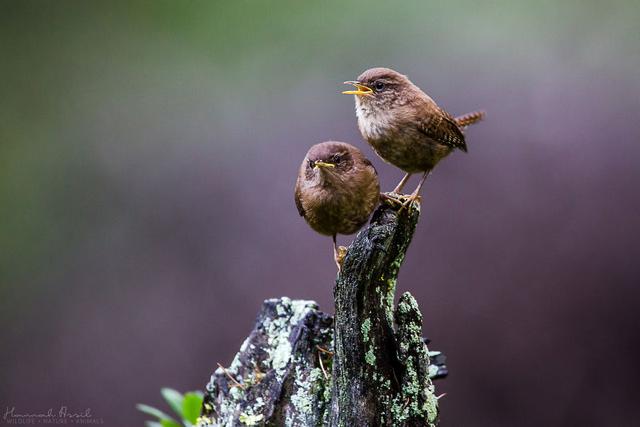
148 153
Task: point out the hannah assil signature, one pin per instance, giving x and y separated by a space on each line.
61 415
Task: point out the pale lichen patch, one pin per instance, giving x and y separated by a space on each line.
365 328
250 419
370 357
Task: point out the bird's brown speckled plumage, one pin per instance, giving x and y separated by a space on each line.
340 199
404 125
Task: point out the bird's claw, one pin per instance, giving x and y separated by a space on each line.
409 201
393 198
339 255
404 200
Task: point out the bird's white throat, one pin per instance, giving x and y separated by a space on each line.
373 122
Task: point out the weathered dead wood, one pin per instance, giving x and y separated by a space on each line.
371 368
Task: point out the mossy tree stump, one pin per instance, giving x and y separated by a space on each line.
367 366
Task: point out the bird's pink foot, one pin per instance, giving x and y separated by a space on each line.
393 198
338 255
402 200
410 201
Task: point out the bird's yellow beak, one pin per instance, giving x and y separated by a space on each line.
320 164
361 89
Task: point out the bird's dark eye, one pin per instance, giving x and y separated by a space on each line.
378 85
336 158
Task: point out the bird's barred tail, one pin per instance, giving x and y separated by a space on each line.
469 119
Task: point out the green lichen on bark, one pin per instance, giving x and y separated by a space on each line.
380 374
277 378
372 367
416 402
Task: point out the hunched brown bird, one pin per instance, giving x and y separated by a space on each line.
336 191
404 125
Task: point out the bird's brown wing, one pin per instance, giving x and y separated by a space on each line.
442 127
298 201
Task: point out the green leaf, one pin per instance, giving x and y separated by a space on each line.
150 410
169 423
174 399
191 406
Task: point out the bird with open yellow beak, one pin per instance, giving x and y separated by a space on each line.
404 126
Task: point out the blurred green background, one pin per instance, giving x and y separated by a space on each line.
147 157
